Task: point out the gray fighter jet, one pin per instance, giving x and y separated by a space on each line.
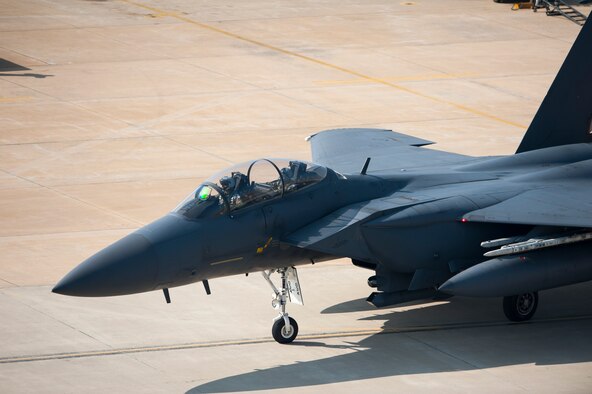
427 223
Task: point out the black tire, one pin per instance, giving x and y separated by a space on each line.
280 335
521 307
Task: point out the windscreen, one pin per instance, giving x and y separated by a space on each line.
205 201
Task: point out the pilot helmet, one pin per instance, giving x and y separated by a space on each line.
298 168
227 183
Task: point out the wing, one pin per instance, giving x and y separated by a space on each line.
564 205
339 234
346 150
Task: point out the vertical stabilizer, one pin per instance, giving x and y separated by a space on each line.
565 116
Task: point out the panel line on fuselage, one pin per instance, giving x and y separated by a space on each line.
226 261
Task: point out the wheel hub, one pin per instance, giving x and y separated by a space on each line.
525 303
287 332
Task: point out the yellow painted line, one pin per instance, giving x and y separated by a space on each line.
338 334
14 99
410 78
385 82
227 261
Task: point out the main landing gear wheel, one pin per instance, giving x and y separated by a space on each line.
283 333
284 329
521 307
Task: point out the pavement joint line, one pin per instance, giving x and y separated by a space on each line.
79 200
254 341
25 55
381 81
62 233
118 138
282 130
49 316
442 351
9 282
458 358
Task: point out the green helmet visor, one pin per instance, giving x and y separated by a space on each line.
204 193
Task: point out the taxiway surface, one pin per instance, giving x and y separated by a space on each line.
112 111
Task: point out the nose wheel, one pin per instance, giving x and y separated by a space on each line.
284 332
285 328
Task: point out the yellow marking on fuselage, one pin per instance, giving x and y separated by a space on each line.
381 81
262 248
227 261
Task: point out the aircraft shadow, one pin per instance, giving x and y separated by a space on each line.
361 305
358 305
555 336
7 65
33 75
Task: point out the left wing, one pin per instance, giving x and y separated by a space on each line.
346 150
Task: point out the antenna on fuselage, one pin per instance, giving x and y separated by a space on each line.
206 286
365 168
167 296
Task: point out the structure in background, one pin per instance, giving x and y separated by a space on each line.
552 8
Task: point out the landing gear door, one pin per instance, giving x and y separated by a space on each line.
294 286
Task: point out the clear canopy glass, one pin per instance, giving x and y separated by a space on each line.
249 183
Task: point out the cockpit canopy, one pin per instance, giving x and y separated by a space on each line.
249 183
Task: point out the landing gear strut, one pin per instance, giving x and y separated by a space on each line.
285 328
521 307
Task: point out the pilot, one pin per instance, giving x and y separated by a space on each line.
241 181
294 175
236 188
228 184
287 175
298 168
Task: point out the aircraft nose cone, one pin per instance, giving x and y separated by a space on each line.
128 266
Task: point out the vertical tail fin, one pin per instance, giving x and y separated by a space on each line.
565 116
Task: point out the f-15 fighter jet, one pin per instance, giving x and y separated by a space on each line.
427 223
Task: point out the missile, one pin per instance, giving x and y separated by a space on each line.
501 242
532 244
517 274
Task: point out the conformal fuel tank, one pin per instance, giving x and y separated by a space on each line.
517 274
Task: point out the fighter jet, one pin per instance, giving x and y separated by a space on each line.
427 223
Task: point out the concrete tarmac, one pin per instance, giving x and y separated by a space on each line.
112 111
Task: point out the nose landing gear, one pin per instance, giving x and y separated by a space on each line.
285 328
284 332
